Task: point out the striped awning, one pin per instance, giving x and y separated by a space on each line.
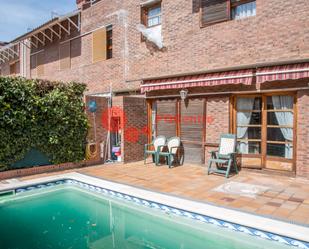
201 80
286 72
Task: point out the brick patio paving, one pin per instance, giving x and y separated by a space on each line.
285 198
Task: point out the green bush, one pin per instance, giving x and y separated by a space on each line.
48 116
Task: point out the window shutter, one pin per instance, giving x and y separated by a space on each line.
33 65
40 64
17 67
64 55
13 68
192 120
166 118
191 127
213 11
99 45
144 16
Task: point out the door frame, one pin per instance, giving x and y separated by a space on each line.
263 154
150 103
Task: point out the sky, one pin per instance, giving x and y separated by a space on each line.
19 16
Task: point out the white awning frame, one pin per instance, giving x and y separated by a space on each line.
40 35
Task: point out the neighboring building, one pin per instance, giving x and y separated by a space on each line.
243 65
2 44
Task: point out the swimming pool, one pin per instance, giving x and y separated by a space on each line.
72 214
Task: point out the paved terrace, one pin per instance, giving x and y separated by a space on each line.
279 197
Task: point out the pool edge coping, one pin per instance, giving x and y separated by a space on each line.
259 223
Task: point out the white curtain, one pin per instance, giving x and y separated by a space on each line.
243 118
244 10
285 118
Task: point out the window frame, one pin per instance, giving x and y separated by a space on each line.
109 42
145 14
236 4
264 125
240 2
14 64
231 4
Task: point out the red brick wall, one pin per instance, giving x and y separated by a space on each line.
5 69
136 112
217 111
302 155
133 133
218 118
279 32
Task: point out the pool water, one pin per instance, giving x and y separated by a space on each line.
69 218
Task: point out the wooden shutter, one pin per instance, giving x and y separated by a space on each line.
99 45
144 16
191 129
13 68
192 120
213 11
75 52
33 65
17 67
166 118
64 56
40 64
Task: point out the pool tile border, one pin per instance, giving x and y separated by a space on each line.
171 210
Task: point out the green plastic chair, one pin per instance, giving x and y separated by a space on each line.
152 149
173 145
225 157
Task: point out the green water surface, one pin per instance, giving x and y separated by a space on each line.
68 218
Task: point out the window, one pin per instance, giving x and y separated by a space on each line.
151 15
154 16
264 125
280 119
14 68
243 9
40 60
109 42
33 65
249 123
102 44
214 11
64 55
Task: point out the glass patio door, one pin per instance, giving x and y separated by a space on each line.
249 130
265 131
279 132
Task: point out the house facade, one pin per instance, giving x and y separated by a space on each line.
193 69
243 66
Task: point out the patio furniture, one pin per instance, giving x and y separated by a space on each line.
152 149
173 145
225 157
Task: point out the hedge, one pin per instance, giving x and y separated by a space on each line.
47 116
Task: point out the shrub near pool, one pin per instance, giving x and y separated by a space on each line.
47 116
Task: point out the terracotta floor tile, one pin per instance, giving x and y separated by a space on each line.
287 198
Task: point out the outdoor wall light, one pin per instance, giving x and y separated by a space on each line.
183 94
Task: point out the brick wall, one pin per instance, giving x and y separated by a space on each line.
135 136
279 32
302 155
217 109
133 133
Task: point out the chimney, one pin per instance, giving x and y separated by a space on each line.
83 4
80 3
